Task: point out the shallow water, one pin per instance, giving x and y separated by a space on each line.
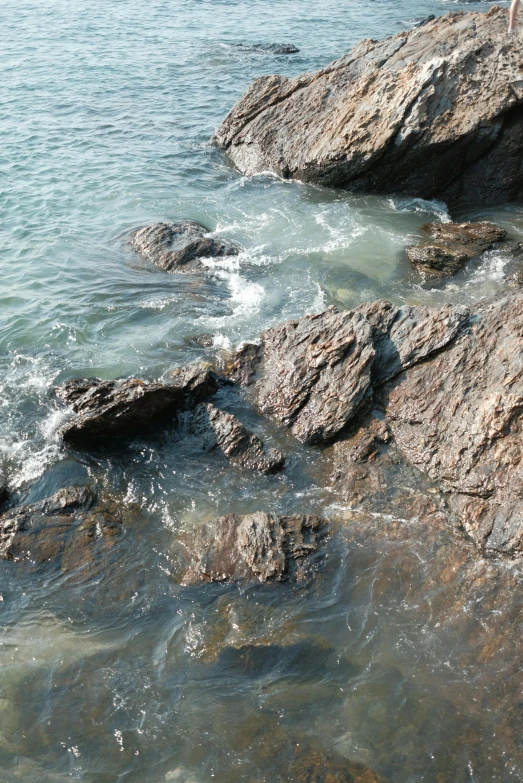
107 113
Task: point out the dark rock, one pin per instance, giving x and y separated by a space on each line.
178 247
125 408
241 367
255 547
435 112
426 20
316 374
224 431
454 245
73 529
274 48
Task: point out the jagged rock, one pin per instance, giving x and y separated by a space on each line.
73 529
316 373
225 432
178 247
125 408
435 112
275 48
242 364
255 547
458 417
454 245
425 20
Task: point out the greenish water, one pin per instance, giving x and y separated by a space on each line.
107 111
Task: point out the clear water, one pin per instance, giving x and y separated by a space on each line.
107 111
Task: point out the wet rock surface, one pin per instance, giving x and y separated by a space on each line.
270 48
126 408
223 431
257 547
315 374
179 247
435 112
453 245
74 529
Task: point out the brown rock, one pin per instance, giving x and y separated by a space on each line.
125 408
255 547
178 247
454 245
434 112
224 431
73 529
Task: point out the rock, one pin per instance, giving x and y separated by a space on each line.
274 48
424 21
315 374
458 417
73 529
256 547
242 364
455 244
178 247
434 112
224 431
126 408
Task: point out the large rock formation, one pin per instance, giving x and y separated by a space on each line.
256 547
449 383
435 112
126 408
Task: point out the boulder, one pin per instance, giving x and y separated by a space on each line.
274 48
223 431
314 375
126 408
179 247
256 547
73 529
434 112
453 244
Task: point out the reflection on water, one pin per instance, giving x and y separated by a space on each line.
402 653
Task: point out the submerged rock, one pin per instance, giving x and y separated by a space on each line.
315 374
274 48
453 245
178 247
126 408
74 529
242 448
435 112
256 547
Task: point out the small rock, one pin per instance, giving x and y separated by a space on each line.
255 547
224 431
426 20
125 408
241 366
275 48
454 245
178 247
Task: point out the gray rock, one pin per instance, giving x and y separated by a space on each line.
255 547
435 112
274 48
179 247
126 408
242 448
316 374
453 245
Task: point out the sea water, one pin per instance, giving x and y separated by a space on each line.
107 112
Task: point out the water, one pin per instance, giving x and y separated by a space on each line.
107 111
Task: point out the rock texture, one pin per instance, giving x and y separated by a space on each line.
274 48
435 112
315 374
126 408
73 529
452 245
179 247
223 431
255 547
